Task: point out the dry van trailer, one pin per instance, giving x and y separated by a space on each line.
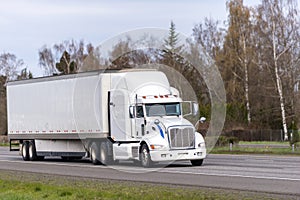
59 115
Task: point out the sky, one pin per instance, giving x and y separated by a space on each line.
26 26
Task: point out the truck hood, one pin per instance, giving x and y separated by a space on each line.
167 122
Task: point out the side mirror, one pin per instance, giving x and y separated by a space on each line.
131 111
202 119
190 108
195 108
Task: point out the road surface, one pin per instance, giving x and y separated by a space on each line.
270 174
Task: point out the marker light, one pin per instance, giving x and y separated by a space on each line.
155 146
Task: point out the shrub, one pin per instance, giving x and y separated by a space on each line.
225 141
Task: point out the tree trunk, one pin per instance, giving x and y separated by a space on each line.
282 107
246 82
279 85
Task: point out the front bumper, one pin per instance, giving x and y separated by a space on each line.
173 155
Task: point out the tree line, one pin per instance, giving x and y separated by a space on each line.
256 50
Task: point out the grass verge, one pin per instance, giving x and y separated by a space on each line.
264 143
265 149
22 185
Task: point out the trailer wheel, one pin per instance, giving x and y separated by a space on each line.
145 156
105 158
32 151
94 151
197 162
25 151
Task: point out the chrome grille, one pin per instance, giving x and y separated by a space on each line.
181 137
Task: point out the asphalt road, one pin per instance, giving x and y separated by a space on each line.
268 174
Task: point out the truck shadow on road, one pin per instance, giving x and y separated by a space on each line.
121 163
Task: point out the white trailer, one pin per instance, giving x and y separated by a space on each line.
104 115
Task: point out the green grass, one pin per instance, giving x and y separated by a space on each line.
4 144
23 186
265 142
266 149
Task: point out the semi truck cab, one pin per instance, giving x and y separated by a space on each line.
157 128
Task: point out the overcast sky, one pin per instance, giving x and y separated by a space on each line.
28 25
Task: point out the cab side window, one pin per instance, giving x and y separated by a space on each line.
139 111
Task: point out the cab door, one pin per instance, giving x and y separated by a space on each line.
139 121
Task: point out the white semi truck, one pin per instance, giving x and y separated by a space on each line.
106 116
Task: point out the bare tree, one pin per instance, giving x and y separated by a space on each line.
239 39
277 27
71 52
233 52
9 65
3 106
209 35
120 56
25 74
47 60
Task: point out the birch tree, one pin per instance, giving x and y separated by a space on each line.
9 65
239 41
276 22
235 60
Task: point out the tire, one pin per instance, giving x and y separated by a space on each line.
25 151
94 152
145 156
197 162
32 151
105 158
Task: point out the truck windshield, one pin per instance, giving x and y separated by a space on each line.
163 109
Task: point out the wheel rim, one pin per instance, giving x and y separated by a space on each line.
104 159
24 150
102 154
93 155
145 157
30 151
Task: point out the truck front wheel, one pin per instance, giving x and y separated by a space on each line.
25 151
145 156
